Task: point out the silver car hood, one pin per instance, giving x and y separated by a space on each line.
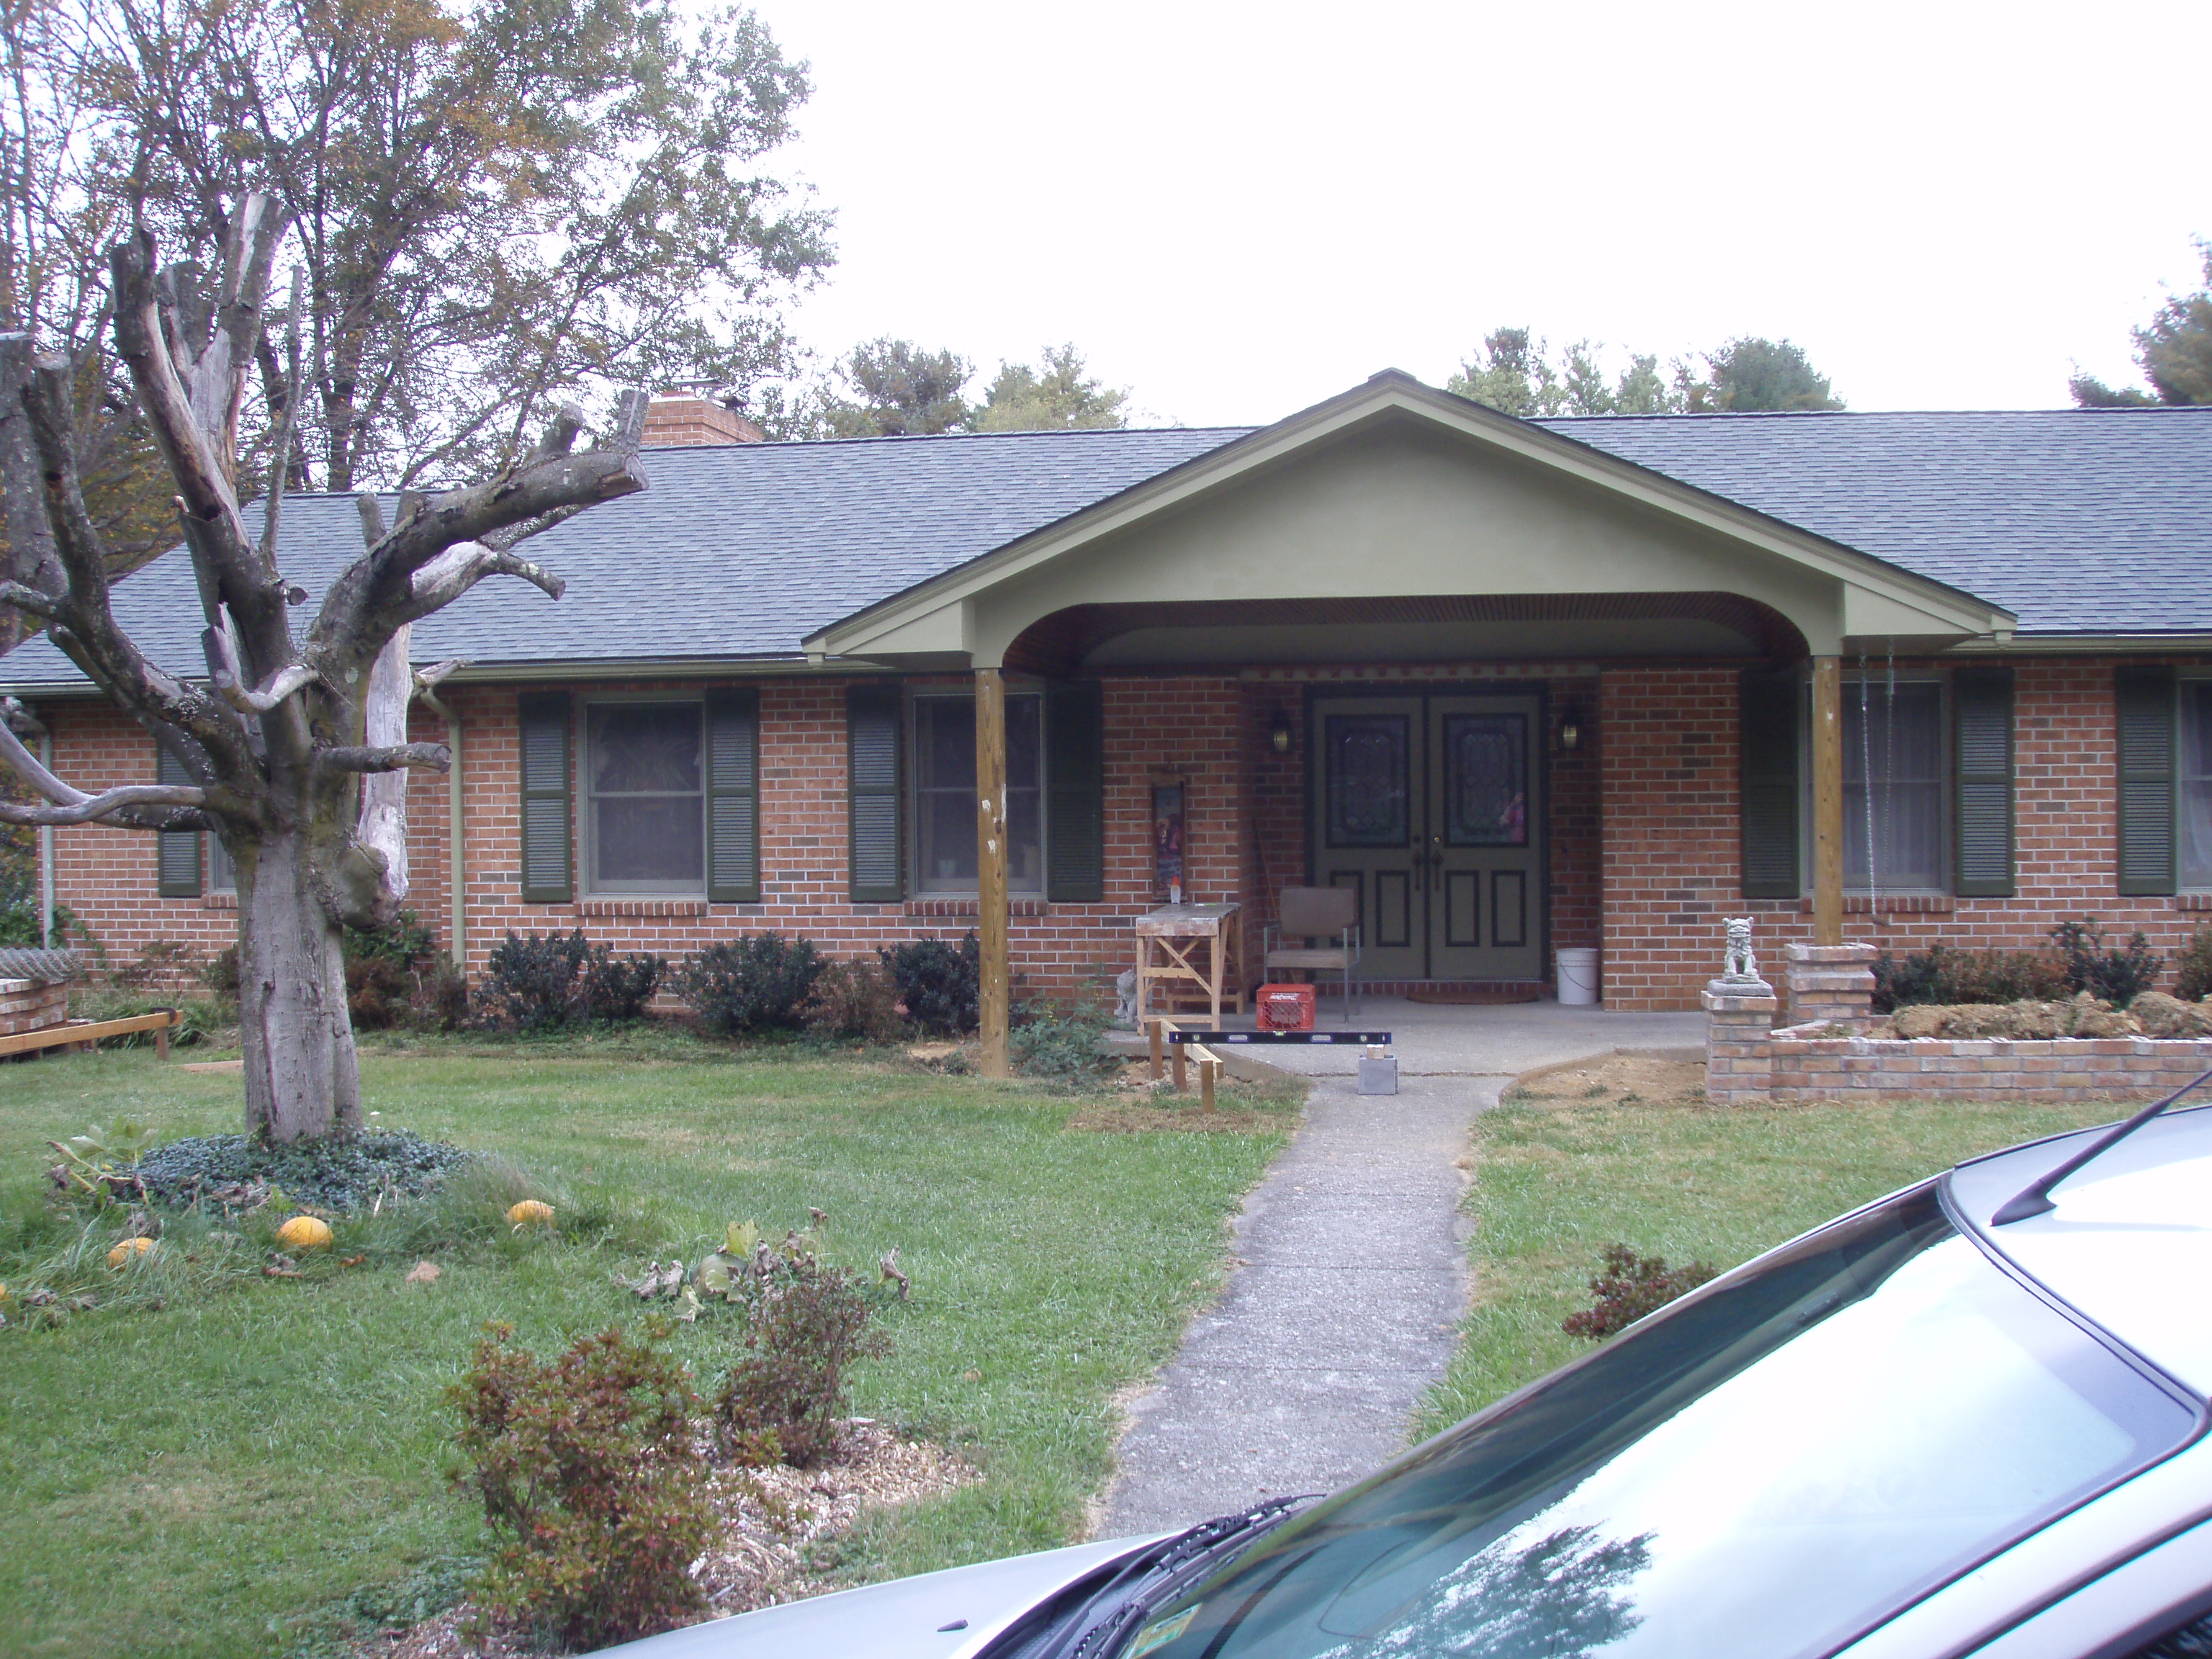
905 1619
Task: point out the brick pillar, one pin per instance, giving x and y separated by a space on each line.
1831 984
1739 1025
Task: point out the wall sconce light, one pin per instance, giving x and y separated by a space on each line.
1570 730
1279 734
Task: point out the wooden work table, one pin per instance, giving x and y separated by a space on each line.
1169 937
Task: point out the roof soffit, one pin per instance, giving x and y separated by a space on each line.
943 613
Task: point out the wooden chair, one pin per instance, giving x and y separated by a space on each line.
1312 914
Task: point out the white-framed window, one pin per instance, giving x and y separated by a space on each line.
942 784
644 797
2193 787
222 873
1894 769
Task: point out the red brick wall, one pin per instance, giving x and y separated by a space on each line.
106 875
1672 852
1643 834
1667 767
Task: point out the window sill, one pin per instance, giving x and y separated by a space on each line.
967 904
219 901
642 907
2192 901
1892 904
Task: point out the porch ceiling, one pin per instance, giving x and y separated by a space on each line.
1398 522
1410 628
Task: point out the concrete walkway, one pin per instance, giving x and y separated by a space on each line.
1349 1275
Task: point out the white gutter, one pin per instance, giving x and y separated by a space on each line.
46 851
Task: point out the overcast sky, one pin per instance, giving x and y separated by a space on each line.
1236 210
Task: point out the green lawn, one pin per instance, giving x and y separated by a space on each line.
1554 1184
195 1480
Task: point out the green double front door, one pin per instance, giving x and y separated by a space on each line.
1432 807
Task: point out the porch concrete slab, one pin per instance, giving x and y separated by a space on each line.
1441 1040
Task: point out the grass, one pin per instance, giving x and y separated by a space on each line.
200 1477
1555 1182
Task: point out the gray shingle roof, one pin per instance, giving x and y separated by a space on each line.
2076 520
736 550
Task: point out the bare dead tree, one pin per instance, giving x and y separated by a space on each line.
296 745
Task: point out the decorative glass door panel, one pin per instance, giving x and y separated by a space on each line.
1432 807
1368 823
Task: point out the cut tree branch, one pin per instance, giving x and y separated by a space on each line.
72 805
457 570
30 599
113 805
430 757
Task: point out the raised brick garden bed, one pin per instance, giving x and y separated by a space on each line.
1747 1061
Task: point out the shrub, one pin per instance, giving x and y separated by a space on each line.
162 964
853 1000
220 972
591 1485
1064 1047
809 1322
617 989
402 943
2192 967
2114 976
1943 975
751 983
1630 1287
439 1001
939 985
379 991
532 984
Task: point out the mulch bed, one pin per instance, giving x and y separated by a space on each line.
771 1519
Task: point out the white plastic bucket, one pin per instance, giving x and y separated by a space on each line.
1577 976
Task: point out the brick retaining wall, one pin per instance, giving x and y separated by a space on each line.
1748 1061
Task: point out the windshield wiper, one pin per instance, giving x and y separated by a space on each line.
2035 1198
1158 1572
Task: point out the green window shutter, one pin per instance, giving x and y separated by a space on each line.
548 874
871 764
1767 810
1075 792
1982 753
2145 698
733 796
177 856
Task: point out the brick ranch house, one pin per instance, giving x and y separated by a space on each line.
1526 684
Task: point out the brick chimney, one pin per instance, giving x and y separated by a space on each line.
674 418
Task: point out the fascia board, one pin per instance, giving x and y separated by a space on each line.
1957 609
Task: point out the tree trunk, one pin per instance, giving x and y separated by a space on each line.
302 1075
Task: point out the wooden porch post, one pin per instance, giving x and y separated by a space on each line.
1827 800
991 865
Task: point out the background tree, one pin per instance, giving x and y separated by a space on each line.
897 390
1058 395
296 744
2173 350
1515 371
498 204
1749 373
54 229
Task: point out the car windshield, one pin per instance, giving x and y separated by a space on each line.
1769 1469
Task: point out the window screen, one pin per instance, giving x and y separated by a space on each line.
945 794
1893 769
648 801
222 873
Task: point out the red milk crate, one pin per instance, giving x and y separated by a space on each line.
1285 1007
